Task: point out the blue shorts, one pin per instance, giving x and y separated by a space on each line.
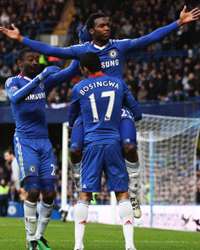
107 158
127 128
127 131
34 182
35 158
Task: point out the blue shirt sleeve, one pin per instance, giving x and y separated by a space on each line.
17 94
63 75
155 36
74 107
46 49
130 102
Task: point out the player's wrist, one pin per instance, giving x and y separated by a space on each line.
20 38
40 77
180 22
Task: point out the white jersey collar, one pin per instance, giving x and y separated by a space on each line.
25 77
100 47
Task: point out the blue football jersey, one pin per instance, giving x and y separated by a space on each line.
28 113
100 99
28 101
112 55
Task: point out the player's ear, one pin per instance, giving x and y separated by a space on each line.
91 31
19 64
84 71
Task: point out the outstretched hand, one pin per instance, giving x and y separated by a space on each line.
189 16
13 33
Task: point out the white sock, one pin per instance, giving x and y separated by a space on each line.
133 169
30 219
126 215
44 212
80 217
76 173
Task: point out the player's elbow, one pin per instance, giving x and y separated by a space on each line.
138 115
13 99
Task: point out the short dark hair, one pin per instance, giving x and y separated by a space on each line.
23 52
91 19
90 61
9 150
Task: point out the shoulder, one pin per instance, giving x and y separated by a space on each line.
75 91
114 79
119 41
11 81
75 63
80 46
82 82
76 86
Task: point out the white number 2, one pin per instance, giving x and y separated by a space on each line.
53 170
111 95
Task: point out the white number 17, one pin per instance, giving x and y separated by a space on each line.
111 95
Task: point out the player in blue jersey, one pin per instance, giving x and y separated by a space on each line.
99 98
27 94
113 54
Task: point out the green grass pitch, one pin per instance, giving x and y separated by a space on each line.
98 237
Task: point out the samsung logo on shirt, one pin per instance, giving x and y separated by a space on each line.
38 96
110 63
93 85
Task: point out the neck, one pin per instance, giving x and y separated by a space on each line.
28 74
96 74
100 43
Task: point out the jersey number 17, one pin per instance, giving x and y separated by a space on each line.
108 114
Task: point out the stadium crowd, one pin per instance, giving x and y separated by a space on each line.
32 17
166 71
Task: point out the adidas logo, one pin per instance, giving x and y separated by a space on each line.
128 222
82 222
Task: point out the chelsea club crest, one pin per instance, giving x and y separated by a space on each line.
113 53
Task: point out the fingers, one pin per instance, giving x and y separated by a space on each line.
194 10
195 18
184 8
3 30
13 26
196 14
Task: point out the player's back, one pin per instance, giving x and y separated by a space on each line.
100 100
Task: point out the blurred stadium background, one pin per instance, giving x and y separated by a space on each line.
165 78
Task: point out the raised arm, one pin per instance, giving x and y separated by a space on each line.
130 102
17 94
43 48
158 34
62 76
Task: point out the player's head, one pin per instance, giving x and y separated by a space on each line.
99 26
28 62
90 63
8 155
